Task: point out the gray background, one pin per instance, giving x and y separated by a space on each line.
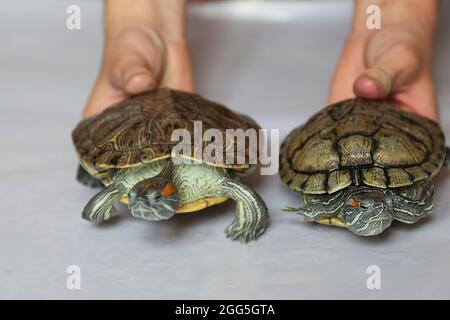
272 61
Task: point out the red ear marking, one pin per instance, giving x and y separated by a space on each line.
168 189
353 203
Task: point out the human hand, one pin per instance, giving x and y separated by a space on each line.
392 63
145 47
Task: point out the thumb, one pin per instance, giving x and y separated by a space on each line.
389 71
132 74
137 64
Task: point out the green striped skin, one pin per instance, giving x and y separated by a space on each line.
101 206
371 216
376 210
193 182
251 212
362 163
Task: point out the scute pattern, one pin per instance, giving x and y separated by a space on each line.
355 150
138 130
361 141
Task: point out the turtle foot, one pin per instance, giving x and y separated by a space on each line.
244 232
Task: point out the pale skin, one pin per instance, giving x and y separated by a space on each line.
146 47
394 62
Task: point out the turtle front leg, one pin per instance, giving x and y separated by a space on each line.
101 206
251 212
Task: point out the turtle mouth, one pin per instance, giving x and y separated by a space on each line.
374 227
379 219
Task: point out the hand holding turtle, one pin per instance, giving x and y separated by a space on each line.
392 63
130 149
145 47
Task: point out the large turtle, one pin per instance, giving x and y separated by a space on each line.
128 147
361 164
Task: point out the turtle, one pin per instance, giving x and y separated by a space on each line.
129 150
361 164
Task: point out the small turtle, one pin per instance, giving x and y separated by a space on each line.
128 148
361 164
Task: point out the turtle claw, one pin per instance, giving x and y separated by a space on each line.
99 216
243 232
289 209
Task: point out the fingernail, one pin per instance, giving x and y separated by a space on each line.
367 87
380 78
138 83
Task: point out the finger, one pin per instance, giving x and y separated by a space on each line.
389 71
138 78
136 63
132 74
102 96
419 97
373 83
178 71
349 67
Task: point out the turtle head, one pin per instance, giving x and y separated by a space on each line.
153 199
367 213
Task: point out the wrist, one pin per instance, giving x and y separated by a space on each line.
163 17
418 14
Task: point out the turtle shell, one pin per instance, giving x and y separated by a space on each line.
360 141
139 129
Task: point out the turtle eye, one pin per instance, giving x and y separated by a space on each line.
364 207
157 196
353 203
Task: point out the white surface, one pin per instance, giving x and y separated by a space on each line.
275 69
